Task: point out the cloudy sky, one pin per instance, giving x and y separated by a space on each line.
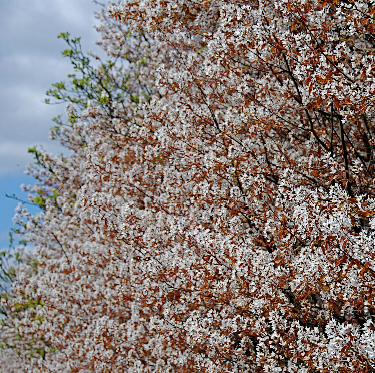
30 61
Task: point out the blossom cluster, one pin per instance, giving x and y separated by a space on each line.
216 213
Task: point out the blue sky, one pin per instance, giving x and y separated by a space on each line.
30 61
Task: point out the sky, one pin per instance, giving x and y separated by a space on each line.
30 61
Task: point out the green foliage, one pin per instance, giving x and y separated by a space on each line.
29 304
41 352
135 99
102 84
37 155
142 62
8 259
40 201
87 83
54 195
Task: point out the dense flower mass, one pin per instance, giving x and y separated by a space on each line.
216 213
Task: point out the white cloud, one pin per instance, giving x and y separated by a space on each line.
30 61
14 156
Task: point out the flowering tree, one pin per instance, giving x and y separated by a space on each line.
216 212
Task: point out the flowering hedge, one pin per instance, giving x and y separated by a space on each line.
216 211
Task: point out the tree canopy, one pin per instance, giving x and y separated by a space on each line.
216 213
